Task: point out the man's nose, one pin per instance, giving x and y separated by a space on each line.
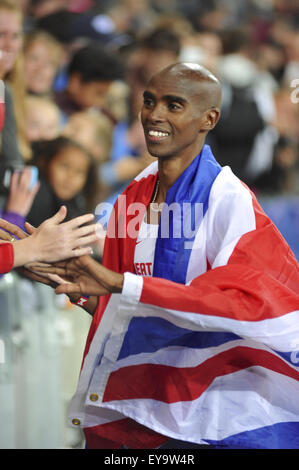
157 114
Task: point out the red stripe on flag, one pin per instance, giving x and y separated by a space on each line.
236 293
172 384
260 280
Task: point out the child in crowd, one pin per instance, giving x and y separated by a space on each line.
67 176
41 119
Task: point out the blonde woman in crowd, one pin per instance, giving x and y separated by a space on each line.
43 56
11 40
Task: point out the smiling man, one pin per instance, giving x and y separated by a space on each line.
195 338
177 114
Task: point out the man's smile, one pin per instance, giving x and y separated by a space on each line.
157 135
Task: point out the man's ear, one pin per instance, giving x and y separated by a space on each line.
210 119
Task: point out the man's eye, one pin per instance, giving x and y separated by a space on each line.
174 106
147 102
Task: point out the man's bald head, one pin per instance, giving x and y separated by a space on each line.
199 81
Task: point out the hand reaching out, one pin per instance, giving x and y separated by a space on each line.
21 196
83 275
52 240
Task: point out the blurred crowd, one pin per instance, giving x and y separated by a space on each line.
74 73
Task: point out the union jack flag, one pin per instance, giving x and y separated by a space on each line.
206 350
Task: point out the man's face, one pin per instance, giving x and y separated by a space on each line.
171 116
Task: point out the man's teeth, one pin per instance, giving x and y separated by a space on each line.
158 134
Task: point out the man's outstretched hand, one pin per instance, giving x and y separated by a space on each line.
83 275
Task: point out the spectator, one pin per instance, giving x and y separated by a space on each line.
11 22
134 16
42 119
279 178
154 51
42 59
90 73
247 111
68 177
93 130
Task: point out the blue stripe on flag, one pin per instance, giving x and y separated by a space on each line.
192 187
147 335
277 436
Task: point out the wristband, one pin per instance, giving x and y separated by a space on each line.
81 301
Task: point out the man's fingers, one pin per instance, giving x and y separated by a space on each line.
36 277
37 265
68 289
50 270
55 278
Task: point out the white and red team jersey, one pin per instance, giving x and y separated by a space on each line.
145 249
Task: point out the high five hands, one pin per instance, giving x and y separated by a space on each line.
39 255
53 240
84 276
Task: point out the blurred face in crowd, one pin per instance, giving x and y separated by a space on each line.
46 7
80 128
87 94
68 171
41 121
39 68
10 38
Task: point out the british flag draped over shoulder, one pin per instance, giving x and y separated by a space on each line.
206 350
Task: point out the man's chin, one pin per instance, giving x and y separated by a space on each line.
159 153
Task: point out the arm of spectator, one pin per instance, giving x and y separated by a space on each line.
21 196
53 240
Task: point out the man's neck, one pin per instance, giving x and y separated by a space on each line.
170 170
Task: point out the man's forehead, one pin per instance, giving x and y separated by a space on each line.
183 87
185 80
